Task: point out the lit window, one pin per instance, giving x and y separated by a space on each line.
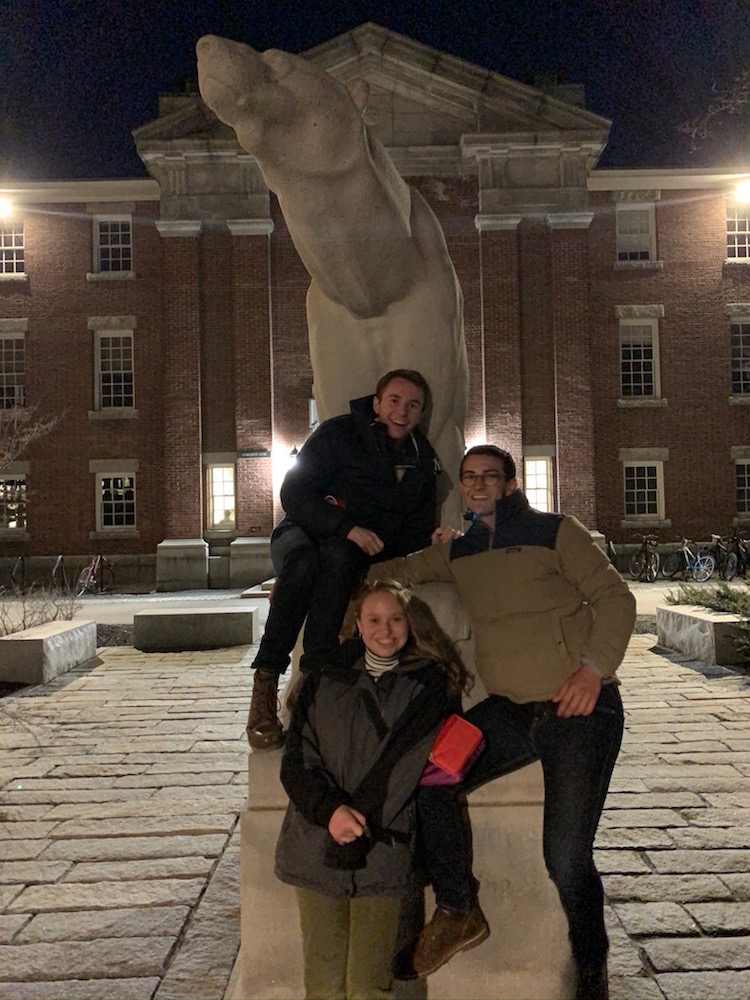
11 247
738 230
12 371
742 475
113 244
644 490
639 358
740 358
12 503
114 370
116 502
221 497
636 232
537 482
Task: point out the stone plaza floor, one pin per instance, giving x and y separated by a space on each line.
121 785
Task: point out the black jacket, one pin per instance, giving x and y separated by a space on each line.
364 743
350 460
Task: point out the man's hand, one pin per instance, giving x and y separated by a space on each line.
579 694
444 534
367 540
346 825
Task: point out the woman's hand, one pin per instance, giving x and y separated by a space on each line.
346 825
579 694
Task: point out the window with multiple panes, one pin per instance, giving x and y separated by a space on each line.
742 480
537 483
639 358
114 369
11 247
221 497
12 503
738 230
113 244
644 489
12 371
740 333
636 232
116 501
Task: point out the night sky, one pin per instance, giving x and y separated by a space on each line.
79 75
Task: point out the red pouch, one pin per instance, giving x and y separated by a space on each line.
456 747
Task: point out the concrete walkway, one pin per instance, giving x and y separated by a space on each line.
121 786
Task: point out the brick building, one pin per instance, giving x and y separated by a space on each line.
607 318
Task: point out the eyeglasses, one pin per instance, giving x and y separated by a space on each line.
490 478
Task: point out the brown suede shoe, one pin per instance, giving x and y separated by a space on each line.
263 729
446 934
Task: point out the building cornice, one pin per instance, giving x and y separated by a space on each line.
667 179
44 192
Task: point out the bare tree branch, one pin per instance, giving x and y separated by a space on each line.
19 428
728 101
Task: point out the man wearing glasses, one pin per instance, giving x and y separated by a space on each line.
551 620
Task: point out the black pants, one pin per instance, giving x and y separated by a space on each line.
315 580
577 757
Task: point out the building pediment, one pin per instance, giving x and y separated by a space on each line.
409 79
436 115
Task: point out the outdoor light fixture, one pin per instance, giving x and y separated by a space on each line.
6 208
742 192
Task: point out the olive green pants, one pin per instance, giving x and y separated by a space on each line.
348 945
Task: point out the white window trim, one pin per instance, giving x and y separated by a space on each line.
96 274
548 461
106 469
740 517
213 529
17 470
656 398
15 224
641 519
18 334
111 412
737 398
733 205
620 210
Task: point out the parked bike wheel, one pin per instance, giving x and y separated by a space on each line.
86 582
729 570
672 565
637 565
652 566
106 577
703 568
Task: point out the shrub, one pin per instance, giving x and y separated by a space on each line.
35 605
722 597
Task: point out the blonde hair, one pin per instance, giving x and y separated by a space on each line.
427 640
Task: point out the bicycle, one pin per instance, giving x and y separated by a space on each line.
644 564
740 547
60 581
97 577
685 562
726 558
611 552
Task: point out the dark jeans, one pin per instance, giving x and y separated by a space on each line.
315 580
577 756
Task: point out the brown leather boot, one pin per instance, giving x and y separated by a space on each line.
263 729
445 935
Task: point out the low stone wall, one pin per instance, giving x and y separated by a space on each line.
173 630
708 636
36 655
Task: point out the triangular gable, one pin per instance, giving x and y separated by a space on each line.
419 97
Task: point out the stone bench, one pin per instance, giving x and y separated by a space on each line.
172 630
527 954
36 655
708 636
